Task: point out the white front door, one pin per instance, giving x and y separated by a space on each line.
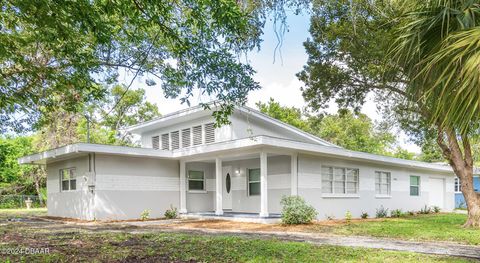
227 187
436 191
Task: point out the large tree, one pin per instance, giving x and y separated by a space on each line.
353 131
55 54
351 55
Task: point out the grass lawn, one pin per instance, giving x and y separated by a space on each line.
70 243
192 248
441 227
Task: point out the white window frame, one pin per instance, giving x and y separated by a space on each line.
457 186
72 178
204 190
381 182
345 182
254 182
419 185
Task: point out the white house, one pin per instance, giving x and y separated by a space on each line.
244 167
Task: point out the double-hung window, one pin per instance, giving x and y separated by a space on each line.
383 183
338 180
68 179
414 185
253 181
196 181
458 186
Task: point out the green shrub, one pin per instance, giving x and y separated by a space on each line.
348 216
145 215
364 215
171 213
381 212
396 213
425 210
436 209
412 213
296 211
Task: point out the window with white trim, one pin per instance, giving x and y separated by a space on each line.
175 137
68 179
458 186
155 142
197 135
165 141
414 185
196 181
383 183
254 181
209 132
186 138
339 180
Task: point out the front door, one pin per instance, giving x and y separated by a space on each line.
436 192
227 187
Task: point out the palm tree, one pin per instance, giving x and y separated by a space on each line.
438 50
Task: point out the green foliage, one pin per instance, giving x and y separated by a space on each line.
396 213
296 211
364 215
289 115
425 210
436 209
346 129
13 174
437 48
57 61
145 215
348 217
381 212
171 213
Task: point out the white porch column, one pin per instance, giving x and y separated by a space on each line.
294 174
218 187
263 185
183 190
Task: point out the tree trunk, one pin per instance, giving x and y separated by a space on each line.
462 164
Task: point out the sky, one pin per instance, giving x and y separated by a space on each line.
275 73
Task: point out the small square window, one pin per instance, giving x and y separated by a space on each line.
68 179
196 181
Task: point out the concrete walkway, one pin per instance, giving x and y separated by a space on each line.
437 248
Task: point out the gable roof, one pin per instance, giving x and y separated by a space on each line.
198 111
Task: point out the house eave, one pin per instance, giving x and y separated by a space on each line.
256 143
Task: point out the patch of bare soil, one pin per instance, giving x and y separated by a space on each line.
246 226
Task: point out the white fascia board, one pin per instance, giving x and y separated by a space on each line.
93 148
285 126
290 145
141 127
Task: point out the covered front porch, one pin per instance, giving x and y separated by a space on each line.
246 185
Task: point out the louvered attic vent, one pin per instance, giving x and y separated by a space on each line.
155 142
209 133
165 142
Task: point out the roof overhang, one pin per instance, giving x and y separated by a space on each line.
79 149
228 148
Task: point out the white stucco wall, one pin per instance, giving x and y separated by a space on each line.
75 204
126 186
278 183
310 187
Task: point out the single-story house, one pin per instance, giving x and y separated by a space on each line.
245 167
459 198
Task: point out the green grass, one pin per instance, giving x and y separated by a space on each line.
181 247
434 227
22 212
69 243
